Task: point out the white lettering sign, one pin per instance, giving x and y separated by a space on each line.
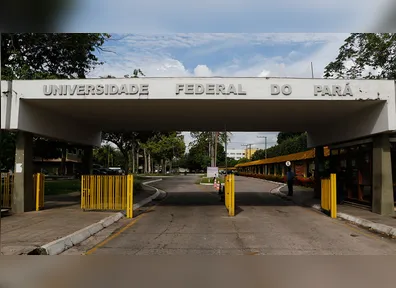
284 89
100 89
334 90
210 89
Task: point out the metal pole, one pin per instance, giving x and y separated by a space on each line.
312 72
225 148
265 142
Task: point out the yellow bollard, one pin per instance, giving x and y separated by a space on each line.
333 196
231 211
129 196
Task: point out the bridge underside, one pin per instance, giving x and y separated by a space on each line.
205 115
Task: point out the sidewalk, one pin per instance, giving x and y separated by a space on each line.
382 224
62 216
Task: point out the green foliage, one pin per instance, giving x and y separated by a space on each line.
7 151
45 56
198 156
365 50
282 136
231 162
166 146
108 156
288 146
50 55
259 154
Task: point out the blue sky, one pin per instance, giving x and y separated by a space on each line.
222 54
235 16
177 37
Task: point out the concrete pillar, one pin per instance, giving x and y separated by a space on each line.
87 160
383 202
319 168
23 193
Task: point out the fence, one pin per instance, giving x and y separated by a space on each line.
329 195
107 192
229 187
7 188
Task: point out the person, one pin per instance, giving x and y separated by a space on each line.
290 180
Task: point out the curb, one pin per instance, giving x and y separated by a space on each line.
376 227
62 244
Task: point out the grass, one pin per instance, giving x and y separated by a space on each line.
58 187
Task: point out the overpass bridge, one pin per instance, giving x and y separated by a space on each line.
332 111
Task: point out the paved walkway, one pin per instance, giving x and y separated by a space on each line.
192 221
305 196
62 216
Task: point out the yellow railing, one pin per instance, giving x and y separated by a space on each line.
7 185
107 192
7 188
38 182
329 195
229 187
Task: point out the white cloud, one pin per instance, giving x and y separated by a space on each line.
151 54
202 71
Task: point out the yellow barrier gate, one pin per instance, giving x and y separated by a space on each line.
38 182
329 195
107 192
229 196
7 188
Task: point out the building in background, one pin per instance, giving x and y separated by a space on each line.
236 153
249 152
73 162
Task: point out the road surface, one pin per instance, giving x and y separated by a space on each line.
192 221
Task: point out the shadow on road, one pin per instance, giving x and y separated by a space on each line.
213 199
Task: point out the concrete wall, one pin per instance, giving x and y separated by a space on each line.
371 120
19 115
255 88
50 124
28 112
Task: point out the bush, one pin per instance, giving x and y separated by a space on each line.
299 181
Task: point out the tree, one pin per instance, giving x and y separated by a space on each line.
365 55
50 55
213 143
7 151
198 156
282 136
125 142
107 156
166 148
295 144
46 56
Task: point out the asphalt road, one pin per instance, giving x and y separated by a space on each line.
192 221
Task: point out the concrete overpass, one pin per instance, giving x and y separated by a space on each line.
331 111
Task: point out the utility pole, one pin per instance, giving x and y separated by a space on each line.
225 148
215 148
265 143
250 150
312 71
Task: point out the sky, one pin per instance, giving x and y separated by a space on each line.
221 54
181 38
